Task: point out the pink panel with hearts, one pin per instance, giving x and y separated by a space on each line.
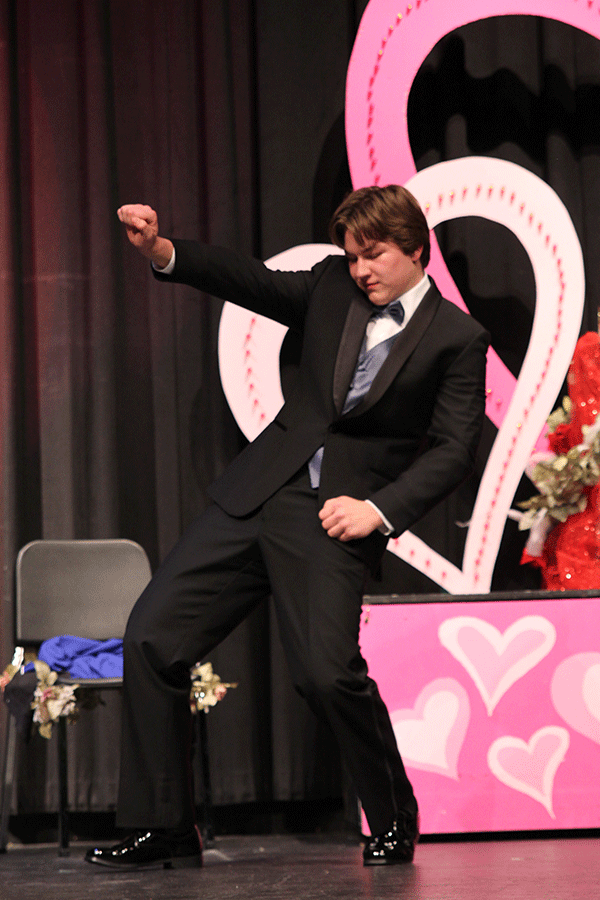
496 709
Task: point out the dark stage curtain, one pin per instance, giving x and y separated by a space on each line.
227 117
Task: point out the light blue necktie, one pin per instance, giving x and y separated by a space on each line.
367 366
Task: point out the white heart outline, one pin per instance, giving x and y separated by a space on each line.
521 202
508 742
559 275
448 634
249 346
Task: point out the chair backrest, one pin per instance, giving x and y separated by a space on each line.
84 588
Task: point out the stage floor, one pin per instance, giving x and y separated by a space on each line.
302 868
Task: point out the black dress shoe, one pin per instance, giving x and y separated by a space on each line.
151 848
395 846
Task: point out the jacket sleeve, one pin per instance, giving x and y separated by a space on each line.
282 296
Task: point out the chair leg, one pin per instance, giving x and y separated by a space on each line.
8 777
63 815
209 829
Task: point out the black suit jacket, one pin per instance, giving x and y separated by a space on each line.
413 437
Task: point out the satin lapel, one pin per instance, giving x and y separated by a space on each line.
402 347
349 347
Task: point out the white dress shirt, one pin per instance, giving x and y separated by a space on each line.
384 327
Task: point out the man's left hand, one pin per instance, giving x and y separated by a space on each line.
348 519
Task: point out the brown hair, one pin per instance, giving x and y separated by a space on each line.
382 214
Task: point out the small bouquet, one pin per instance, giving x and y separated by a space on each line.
207 687
51 700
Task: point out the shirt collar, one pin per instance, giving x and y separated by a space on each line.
412 298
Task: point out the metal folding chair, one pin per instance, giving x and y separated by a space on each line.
79 587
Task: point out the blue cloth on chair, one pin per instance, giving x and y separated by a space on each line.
82 657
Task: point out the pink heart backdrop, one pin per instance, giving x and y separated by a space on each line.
495 706
496 709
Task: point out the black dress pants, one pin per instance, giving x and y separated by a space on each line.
213 578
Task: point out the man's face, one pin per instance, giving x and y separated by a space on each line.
381 269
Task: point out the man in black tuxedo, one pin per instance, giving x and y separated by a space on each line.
383 423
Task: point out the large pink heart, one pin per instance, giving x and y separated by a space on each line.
530 767
431 735
495 660
391 45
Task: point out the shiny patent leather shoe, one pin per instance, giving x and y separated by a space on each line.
395 846
151 848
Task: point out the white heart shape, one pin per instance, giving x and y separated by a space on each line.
530 767
575 689
495 660
431 735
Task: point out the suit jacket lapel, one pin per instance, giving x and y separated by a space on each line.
402 347
349 347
